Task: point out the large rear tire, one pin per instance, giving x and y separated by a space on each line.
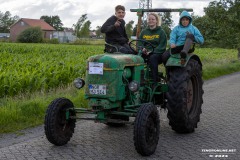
58 128
146 129
185 97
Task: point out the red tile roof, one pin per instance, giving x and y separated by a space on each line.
38 22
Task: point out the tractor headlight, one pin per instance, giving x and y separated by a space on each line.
127 72
79 83
133 86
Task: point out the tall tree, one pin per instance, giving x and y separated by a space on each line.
79 24
98 31
54 21
224 26
166 20
129 28
208 30
57 23
85 30
47 19
6 21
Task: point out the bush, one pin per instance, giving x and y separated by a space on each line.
5 40
31 35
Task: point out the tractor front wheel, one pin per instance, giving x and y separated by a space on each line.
146 129
58 124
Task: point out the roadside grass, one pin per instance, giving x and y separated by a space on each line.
218 62
28 110
24 111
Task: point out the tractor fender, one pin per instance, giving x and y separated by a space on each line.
195 57
175 60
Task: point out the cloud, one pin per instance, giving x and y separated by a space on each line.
97 11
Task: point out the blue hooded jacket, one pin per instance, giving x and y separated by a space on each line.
178 34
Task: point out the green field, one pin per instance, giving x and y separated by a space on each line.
34 67
32 75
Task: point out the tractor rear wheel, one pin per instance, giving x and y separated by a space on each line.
185 97
58 128
146 129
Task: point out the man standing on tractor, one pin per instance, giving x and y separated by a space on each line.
183 36
116 36
157 37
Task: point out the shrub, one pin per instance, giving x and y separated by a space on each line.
31 35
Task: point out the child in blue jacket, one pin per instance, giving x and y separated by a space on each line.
182 36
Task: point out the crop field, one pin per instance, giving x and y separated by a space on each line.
34 67
26 68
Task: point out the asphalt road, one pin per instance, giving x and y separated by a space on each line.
217 135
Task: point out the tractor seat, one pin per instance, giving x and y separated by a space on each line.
110 48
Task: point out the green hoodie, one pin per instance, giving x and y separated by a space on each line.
156 37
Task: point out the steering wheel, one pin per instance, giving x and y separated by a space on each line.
135 47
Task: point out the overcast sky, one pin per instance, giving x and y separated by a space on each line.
97 11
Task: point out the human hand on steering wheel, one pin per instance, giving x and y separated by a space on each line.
145 51
141 49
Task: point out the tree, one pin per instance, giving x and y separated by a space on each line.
223 30
166 29
31 35
166 19
79 24
98 31
47 19
6 21
57 23
204 24
85 30
220 24
54 21
129 28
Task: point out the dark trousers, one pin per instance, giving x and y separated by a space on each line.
166 54
184 48
154 61
123 48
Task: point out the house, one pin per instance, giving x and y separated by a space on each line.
4 35
25 23
67 35
93 34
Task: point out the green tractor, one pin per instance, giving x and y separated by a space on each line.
119 86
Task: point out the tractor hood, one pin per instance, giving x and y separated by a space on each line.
117 61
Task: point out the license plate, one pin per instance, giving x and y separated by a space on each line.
97 89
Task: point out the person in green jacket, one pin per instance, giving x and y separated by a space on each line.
157 37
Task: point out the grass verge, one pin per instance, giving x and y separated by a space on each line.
24 111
